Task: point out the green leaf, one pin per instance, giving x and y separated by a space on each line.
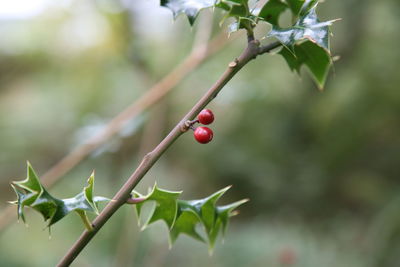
31 193
295 5
307 43
213 235
190 8
316 58
226 211
299 7
308 27
208 208
185 224
183 216
238 9
166 206
271 11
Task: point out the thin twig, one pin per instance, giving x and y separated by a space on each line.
268 47
250 36
133 201
253 49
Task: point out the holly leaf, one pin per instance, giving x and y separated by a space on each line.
186 223
31 193
166 206
308 27
227 211
190 8
234 8
206 208
183 216
307 43
299 7
271 11
317 60
240 11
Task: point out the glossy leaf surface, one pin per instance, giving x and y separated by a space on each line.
317 60
31 193
190 8
300 7
307 43
183 216
271 11
307 27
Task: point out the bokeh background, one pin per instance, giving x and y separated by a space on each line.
321 168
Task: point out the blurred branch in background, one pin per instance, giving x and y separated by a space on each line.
202 49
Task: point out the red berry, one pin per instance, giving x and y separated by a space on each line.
205 116
203 135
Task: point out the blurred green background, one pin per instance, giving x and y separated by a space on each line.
321 168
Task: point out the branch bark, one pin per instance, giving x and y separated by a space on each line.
251 52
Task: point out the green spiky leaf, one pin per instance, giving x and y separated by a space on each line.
166 206
271 11
314 57
190 8
234 8
308 27
240 11
307 43
183 216
299 7
185 224
31 193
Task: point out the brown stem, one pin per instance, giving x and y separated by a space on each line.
133 201
253 49
268 48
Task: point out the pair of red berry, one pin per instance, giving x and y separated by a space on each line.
202 134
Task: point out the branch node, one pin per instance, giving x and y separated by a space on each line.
146 158
188 125
233 63
185 126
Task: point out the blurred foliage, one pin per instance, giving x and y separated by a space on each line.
321 168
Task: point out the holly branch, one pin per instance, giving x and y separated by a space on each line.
251 52
306 43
